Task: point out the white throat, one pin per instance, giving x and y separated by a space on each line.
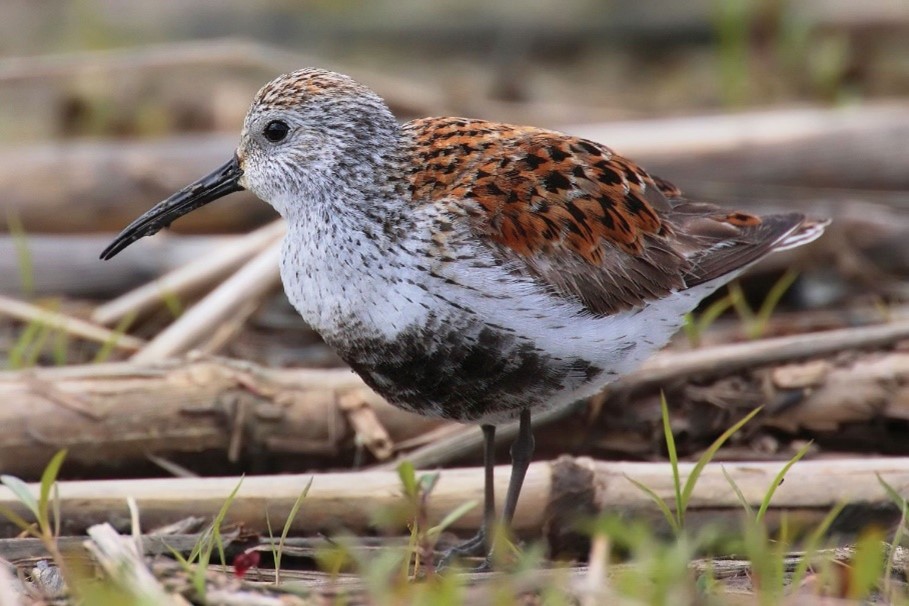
345 272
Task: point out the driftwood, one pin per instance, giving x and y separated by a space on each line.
856 148
239 295
726 359
76 327
556 493
68 264
405 96
121 412
93 186
116 413
110 183
191 277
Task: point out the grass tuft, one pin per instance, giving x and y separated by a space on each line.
675 515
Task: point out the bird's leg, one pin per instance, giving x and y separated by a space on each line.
482 541
521 454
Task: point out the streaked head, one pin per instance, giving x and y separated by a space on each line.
306 132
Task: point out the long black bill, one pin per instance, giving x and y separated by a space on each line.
219 183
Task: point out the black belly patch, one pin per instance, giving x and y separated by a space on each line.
463 372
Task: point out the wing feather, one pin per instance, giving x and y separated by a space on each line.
587 223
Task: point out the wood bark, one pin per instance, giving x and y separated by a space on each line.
555 494
91 186
857 148
114 414
68 264
118 413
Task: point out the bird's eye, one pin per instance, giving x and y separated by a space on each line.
276 130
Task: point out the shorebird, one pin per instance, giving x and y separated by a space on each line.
472 270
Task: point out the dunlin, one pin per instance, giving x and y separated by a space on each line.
472 270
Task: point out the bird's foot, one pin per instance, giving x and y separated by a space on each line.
474 546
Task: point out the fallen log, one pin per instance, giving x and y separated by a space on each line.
118 413
91 186
800 147
556 495
58 264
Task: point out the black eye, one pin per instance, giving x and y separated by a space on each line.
276 130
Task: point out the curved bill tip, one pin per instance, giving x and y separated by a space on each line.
217 184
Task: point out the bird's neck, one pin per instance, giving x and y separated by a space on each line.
345 252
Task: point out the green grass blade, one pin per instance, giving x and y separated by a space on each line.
738 493
901 502
172 303
713 312
196 552
708 456
426 483
275 553
867 565
769 305
219 520
20 489
664 507
17 353
184 563
48 479
56 509
408 477
60 348
23 254
740 304
287 523
898 499
19 521
690 328
673 460
451 518
768 496
107 348
811 545
34 352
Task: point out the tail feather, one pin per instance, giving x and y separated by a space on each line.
771 234
807 231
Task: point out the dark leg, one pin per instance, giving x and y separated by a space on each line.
489 487
482 541
521 454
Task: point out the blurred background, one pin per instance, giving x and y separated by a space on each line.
108 106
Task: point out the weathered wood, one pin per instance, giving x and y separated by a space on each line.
118 412
555 494
191 277
91 186
68 264
859 147
723 360
243 290
123 411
